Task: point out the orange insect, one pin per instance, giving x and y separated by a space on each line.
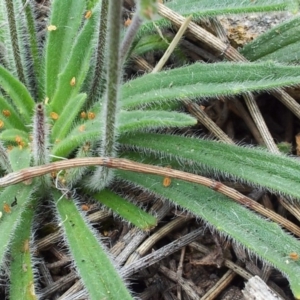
294 256
85 207
73 81
83 115
91 115
25 247
81 128
88 14
167 181
6 208
54 115
127 22
1 124
6 113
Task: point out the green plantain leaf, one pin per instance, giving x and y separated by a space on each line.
258 167
281 44
18 94
10 116
143 119
264 238
126 210
207 80
10 220
66 17
70 79
21 268
97 272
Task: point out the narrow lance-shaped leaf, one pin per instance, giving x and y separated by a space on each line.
11 219
126 210
278 44
264 238
18 94
277 173
21 268
97 272
207 80
66 19
70 79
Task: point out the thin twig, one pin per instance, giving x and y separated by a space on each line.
128 165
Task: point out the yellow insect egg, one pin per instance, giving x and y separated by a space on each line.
83 115
6 113
294 256
91 115
167 181
54 115
81 128
1 124
88 14
73 81
51 28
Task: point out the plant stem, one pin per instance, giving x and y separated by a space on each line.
128 165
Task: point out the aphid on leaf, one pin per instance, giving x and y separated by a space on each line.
85 207
83 115
1 124
81 128
73 81
25 247
46 100
54 115
6 208
0 214
6 113
51 28
127 22
18 139
294 256
167 181
88 14
91 115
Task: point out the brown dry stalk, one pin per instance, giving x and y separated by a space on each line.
128 165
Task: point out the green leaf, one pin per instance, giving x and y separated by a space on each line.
207 80
143 119
257 167
19 158
18 94
264 238
126 210
97 272
21 268
10 135
10 221
278 44
66 16
70 79
10 117
66 119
